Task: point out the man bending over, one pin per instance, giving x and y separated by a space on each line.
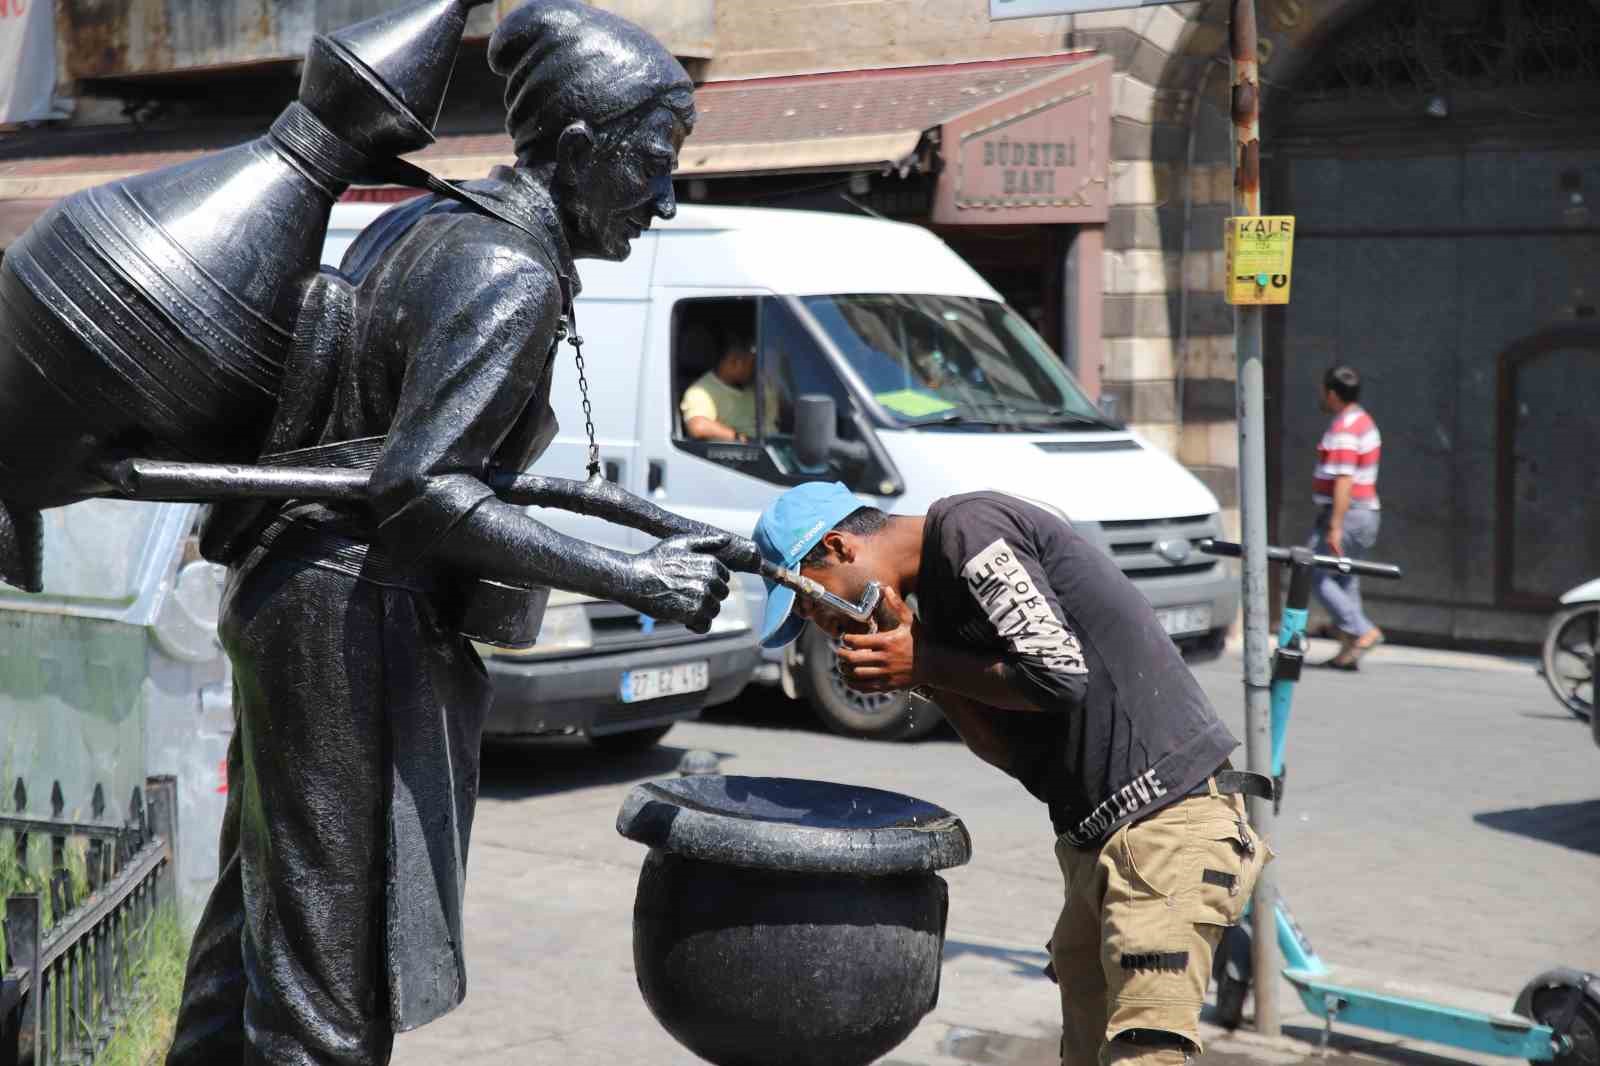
1053 667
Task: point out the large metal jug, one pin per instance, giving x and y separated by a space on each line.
153 315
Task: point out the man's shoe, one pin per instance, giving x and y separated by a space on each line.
1351 649
1368 640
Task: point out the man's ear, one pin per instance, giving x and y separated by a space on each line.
574 150
839 546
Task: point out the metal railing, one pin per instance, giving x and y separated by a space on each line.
66 987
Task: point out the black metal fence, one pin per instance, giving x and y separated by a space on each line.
65 987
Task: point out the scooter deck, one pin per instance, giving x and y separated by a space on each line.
1463 1018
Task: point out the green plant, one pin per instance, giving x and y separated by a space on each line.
146 1032
17 880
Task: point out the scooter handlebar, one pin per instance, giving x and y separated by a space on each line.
1388 571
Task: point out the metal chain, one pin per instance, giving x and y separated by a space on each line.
583 391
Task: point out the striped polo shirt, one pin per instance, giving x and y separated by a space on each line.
1350 447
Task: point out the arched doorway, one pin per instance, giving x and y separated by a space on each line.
1444 162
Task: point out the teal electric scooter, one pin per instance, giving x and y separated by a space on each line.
1555 1019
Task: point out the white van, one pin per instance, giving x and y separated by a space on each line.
884 361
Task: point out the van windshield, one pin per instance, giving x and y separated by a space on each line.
953 361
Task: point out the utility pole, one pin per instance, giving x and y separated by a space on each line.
1246 108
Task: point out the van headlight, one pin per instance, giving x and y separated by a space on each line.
564 630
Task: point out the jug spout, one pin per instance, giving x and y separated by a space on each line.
379 85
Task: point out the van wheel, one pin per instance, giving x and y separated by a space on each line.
869 716
634 740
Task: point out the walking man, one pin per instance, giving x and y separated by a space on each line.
1054 668
1346 493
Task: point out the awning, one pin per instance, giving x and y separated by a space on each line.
845 120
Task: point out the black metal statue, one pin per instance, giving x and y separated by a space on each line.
157 328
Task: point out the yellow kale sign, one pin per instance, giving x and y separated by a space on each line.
1259 252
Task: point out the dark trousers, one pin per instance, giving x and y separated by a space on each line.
291 962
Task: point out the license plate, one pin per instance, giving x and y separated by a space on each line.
653 684
1182 621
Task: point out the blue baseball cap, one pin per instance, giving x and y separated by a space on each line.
790 527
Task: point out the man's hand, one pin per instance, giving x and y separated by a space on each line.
888 661
679 580
885 661
1342 487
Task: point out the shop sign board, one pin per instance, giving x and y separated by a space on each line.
1039 155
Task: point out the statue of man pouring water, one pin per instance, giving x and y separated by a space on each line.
354 769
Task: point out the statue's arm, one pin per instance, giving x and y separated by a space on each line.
602 499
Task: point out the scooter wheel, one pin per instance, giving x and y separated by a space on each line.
1569 1002
1564 658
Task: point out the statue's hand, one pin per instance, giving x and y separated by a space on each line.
679 580
740 553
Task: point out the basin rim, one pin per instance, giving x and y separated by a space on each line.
662 815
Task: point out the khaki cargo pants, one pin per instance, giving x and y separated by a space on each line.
1143 915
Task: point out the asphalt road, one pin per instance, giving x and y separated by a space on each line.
1442 824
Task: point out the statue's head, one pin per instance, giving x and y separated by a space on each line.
604 107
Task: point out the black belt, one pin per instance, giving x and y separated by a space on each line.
346 555
1236 783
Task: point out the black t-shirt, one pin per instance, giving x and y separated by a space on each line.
1123 728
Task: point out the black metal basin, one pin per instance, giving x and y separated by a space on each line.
781 922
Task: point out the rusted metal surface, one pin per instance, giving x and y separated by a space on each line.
1246 109
132 38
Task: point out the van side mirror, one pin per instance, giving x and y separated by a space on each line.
815 428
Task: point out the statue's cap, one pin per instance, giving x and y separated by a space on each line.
564 61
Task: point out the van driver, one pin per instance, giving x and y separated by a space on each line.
721 404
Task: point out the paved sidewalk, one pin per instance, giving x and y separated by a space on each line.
1439 823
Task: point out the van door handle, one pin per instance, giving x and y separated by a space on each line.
657 476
